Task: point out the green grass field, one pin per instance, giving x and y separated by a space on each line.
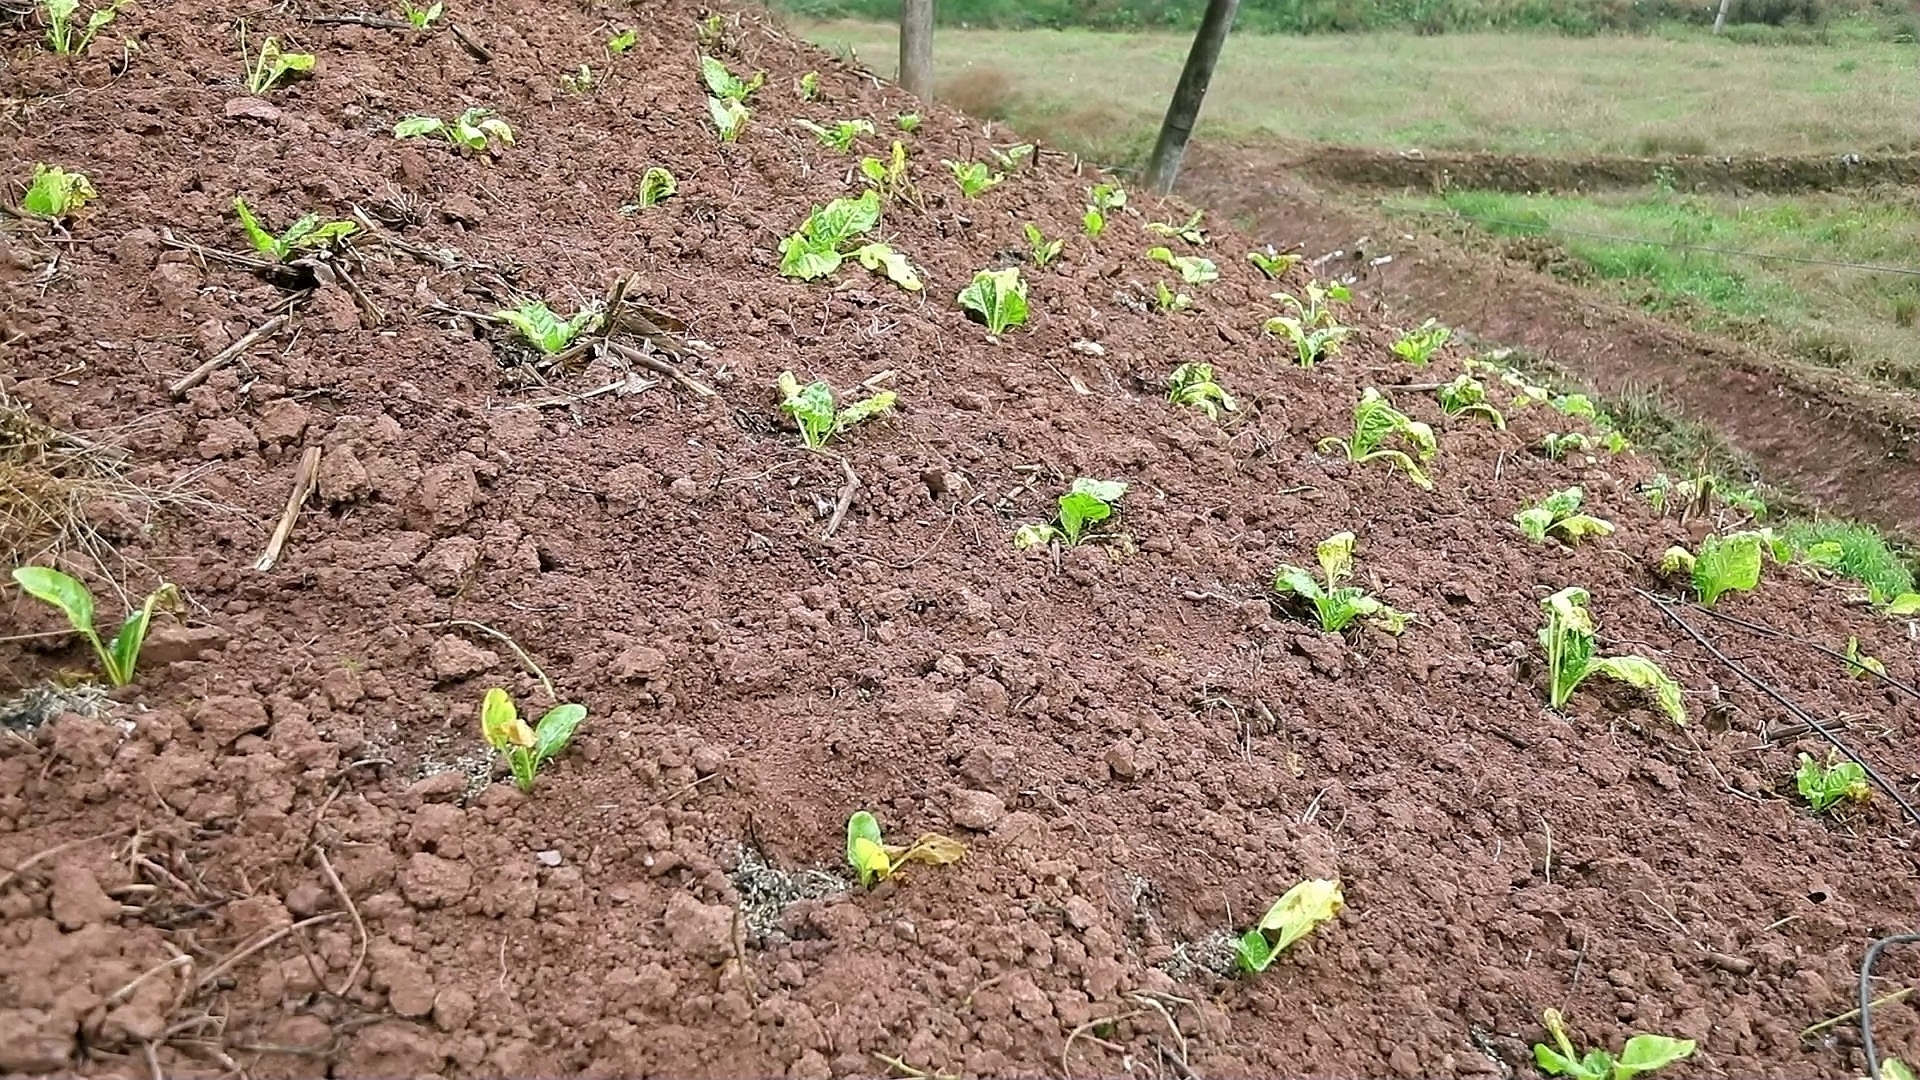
1102 94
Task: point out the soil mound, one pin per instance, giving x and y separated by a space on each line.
269 855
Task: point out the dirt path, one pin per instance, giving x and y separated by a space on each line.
1844 446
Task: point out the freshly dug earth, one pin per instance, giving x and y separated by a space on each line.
267 855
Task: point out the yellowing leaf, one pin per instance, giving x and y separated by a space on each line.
934 849
500 722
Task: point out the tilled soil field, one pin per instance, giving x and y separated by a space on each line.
276 852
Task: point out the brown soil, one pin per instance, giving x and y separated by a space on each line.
1841 444
265 859
1346 166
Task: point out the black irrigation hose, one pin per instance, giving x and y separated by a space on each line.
1805 717
1781 635
1866 996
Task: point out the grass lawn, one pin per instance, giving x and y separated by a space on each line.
1103 93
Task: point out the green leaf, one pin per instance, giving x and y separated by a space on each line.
1093 223
882 259
805 259
1553 1063
1293 579
1087 502
414 127
1579 526
55 192
1892 1068
999 297
263 241
1906 605
810 406
1374 422
1335 555
1644 674
1534 522
724 84
1567 640
1032 536
621 42
729 117
1726 563
500 722
63 591
1254 952
545 330
879 403
866 849
555 730
1294 915
1645 1053
122 654
655 184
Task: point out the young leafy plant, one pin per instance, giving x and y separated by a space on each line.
1292 917
841 135
1103 199
270 64
1467 396
55 193
545 330
527 748
310 233
1194 270
729 117
1336 606
1168 302
422 18
474 130
63 37
1190 232
999 297
1312 328
1827 785
1086 503
809 86
973 177
1723 564
1902 606
1558 445
1859 664
1272 263
1042 250
580 81
1375 421
888 263
907 121
655 184
889 177
1568 641
623 42
724 84
712 30
874 861
816 249
815 414
1559 515
1192 384
1418 345
1010 158
1642 1054
73 599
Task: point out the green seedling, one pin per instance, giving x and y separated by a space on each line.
73 599
874 861
999 297
1375 421
55 193
545 330
1168 302
1467 396
578 82
623 42
1559 515
1568 641
1273 264
1192 384
712 30
809 86
1903 606
63 37
1107 198
1194 270
889 177
270 65
818 418
310 233
724 84
1086 503
973 177
1010 158
1336 606
422 18
1093 223
1892 1068
1859 664
527 748
655 184
729 118
907 121
1827 785
474 130
816 249
1642 1054
1292 917
841 135
888 263
1042 250
1312 328
1418 345
1724 564
1190 232
1577 405
1558 445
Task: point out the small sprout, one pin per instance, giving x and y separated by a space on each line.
724 84
1568 641
889 177
1042 249
527 748
545 330
841 135
1467 396
271 65
73 599
1086 503
1272 263
310 233
815 250
999 297
873 860
1194 270
1312 328
1169 302
1575 405
1723 564
1418 345
1190 232
1010 158
55 193
62 36
1903 606
655 184
474 130
1642 1054
1826 786
973 177
422 18
1292 917
1559 515
1375 421
578 82
907 121
712 30
729 117
809 86
1859 664
1558 445
623 42
1335 606
815 414
1192 384
883 260
1892 1068
1093 223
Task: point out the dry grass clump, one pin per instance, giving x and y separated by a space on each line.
57 489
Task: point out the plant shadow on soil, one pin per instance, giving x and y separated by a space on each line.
264 873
